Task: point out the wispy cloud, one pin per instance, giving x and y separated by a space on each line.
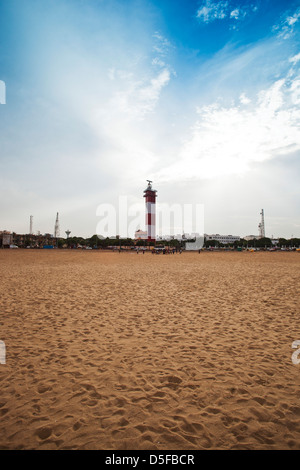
295 59
139 96
236 14
228 140
161 44
136 93
286 27
162 48
212 10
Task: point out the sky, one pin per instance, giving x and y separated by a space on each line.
201 97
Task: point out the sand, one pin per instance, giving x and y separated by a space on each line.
171 352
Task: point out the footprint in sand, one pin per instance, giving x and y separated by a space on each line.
44 433
77 426
44 388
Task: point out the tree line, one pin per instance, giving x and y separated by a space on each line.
99 242
255 243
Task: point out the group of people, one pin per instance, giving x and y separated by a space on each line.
166 251
157 251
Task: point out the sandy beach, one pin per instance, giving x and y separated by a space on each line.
126 351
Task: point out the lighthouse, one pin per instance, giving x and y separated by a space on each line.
150 197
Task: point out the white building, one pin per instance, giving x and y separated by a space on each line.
250 237
222 238
141 235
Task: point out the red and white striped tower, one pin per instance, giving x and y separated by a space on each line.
150 195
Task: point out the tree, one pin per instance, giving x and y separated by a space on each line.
60 242
212 243
126 242
174 243
240 243
263 242
282 242
141 242
295 242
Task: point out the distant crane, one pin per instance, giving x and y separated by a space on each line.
56 227
261 225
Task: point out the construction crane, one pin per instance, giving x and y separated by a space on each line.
56 227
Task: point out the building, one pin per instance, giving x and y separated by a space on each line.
224 239
6 238
141 235
250 237
24 240
178 237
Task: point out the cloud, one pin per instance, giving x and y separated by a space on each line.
286 28
229 140
136 96
295 59
212 10
244 99
291 20
136 91
238 14
158 62
147 96
94 113
295 91
161 45
161 48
